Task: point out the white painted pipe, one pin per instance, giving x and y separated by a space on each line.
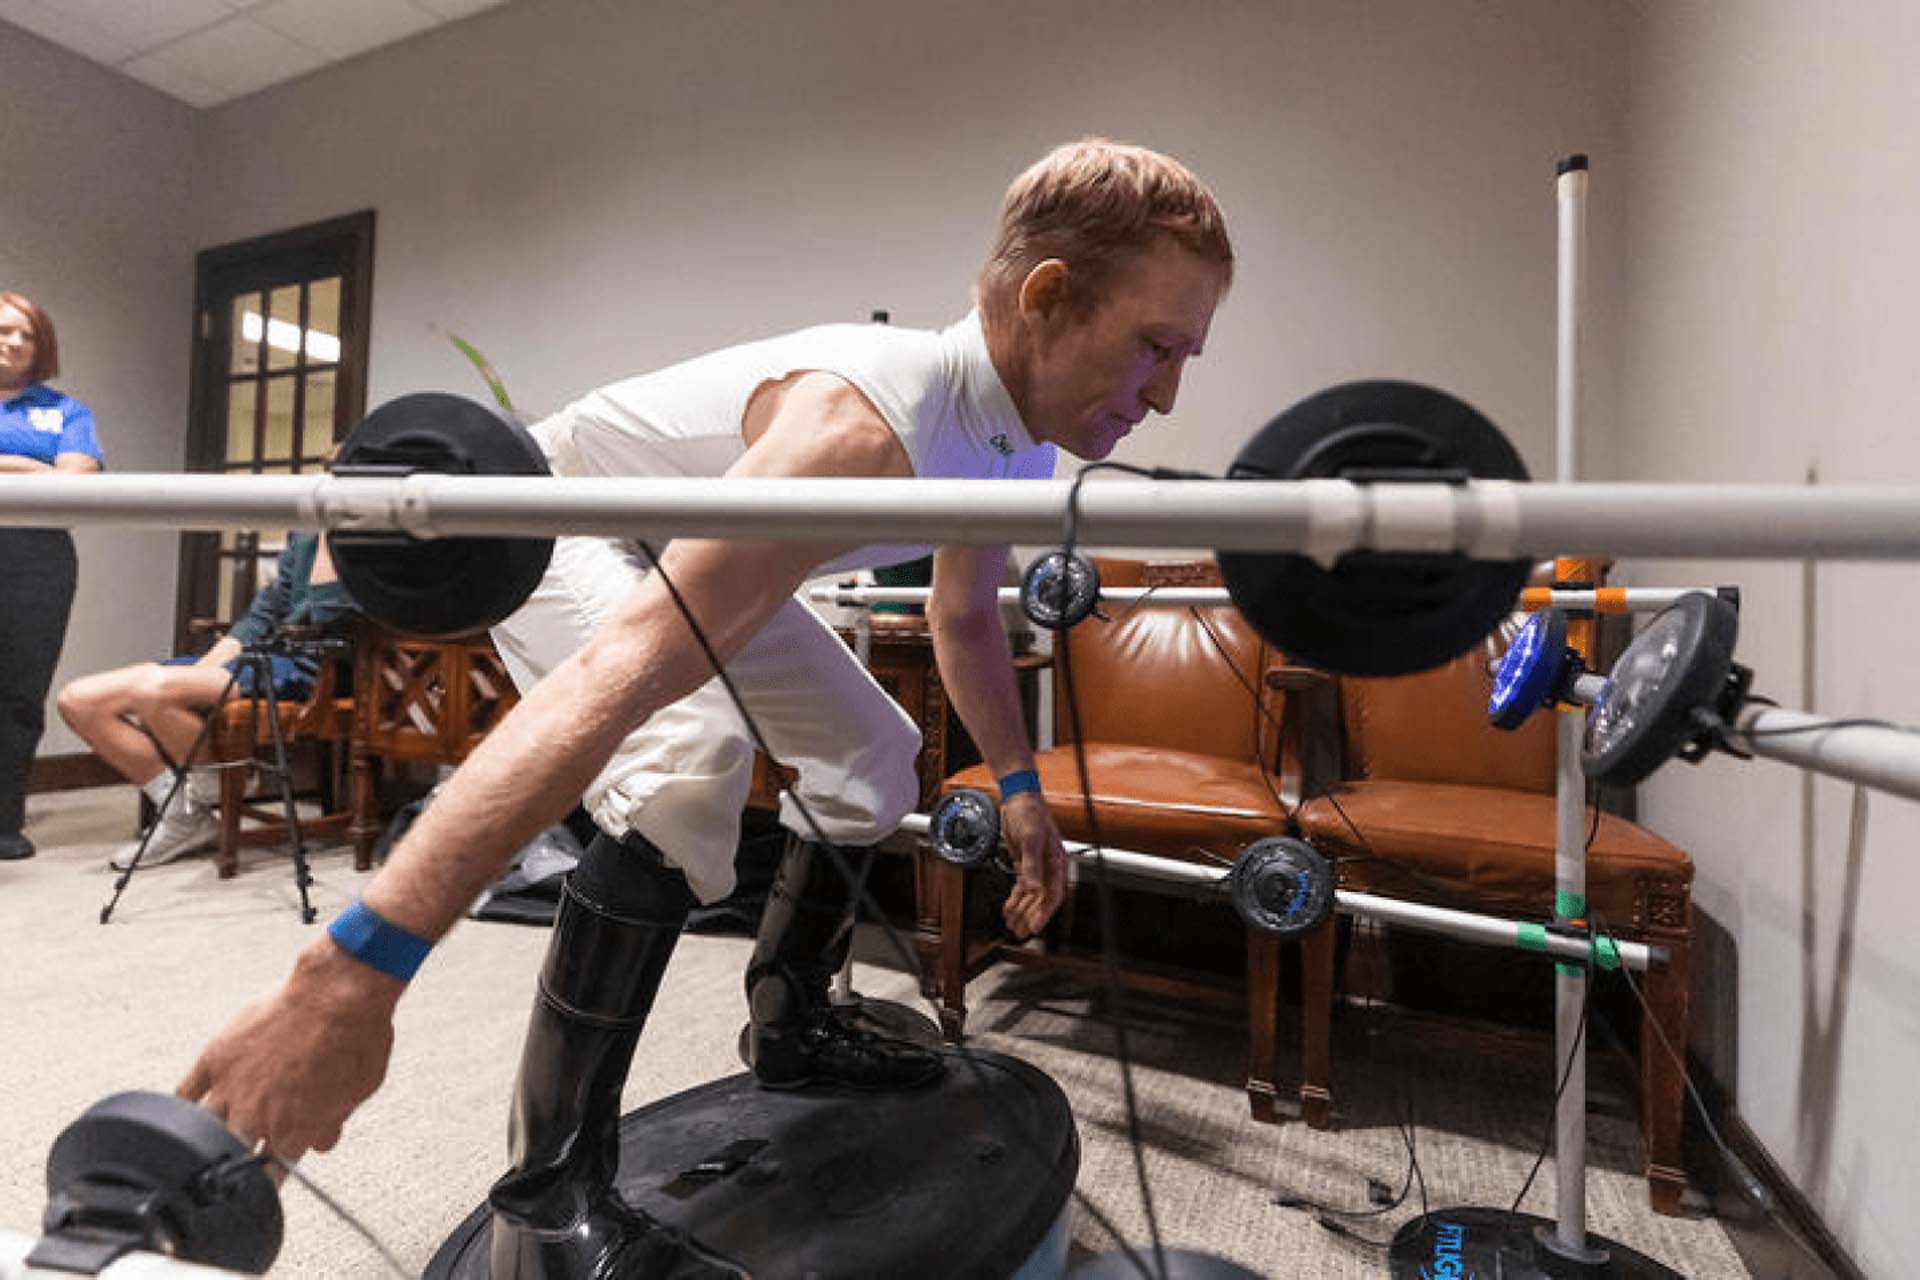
1130 597
1470 926
1489 519
1886 758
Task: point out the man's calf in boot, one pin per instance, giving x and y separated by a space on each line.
796 1037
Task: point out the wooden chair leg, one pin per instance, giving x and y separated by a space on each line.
364 825
1263 1025
952 968
1662 1082
1316 1057
233 794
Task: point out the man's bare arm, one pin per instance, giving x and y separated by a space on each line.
292 1066
976 665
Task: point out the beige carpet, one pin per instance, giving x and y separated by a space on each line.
87 1010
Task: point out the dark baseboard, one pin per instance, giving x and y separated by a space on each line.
71 773
1785 1238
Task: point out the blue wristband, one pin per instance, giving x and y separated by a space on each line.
1018 783
362 934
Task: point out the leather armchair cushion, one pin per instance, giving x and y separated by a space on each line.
1491 845
1180 804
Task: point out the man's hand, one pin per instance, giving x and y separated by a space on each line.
291 1067
1041 862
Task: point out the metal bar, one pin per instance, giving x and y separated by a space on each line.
1887 758
1570 787
1131 597
1322 518
1607 599
1470 926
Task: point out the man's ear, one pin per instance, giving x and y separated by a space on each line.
1045 292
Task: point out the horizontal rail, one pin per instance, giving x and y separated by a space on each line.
1468 926
1487 519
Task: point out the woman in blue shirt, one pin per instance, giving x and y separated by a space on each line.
41 431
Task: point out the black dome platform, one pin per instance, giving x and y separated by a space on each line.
969 1177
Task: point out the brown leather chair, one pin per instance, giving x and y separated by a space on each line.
1450 810
241 735
1179 761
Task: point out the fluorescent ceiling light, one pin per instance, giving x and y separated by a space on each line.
286 336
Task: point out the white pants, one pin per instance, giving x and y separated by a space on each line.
681 778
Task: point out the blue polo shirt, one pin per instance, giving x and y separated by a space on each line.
41 423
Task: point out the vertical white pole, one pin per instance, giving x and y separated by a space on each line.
1570 790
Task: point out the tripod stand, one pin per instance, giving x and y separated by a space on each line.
256 660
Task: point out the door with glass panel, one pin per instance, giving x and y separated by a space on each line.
280 359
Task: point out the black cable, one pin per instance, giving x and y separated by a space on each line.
1857 722
865 899
1110 967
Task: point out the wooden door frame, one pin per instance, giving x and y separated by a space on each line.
340 246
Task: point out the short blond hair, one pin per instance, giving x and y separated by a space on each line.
1093 204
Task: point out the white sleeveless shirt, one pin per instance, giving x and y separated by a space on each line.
939 392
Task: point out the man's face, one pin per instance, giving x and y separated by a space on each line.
16 346
1097 374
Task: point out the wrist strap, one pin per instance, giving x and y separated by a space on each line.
361 933
1018 782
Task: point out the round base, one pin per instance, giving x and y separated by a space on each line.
1493 1242
1181 1264
969 1176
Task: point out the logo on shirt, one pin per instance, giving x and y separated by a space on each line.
1000 443
51 421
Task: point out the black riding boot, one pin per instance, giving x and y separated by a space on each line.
556 1215
796 1037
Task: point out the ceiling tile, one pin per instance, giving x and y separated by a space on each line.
452 9
342 28
61 27
160 72
146 23
239 56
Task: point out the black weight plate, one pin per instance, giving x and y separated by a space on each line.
1376 613
442 586
1282 886
1678 663
163 1143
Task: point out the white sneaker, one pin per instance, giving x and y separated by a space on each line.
181 830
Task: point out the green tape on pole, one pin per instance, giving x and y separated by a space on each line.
1570 906
1531 937
1571 970
1605 953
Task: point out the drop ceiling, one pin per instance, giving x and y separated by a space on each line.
206 52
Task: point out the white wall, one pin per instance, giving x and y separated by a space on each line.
1771 271
590 189
96 225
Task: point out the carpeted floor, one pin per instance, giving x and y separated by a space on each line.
86 1011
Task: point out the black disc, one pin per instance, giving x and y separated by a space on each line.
1376 613
440 586
1677 664
1494 1242
970 1176
1181 1264
965 827
1282 886
1059 590
211 1202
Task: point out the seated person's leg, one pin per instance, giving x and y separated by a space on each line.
141 719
